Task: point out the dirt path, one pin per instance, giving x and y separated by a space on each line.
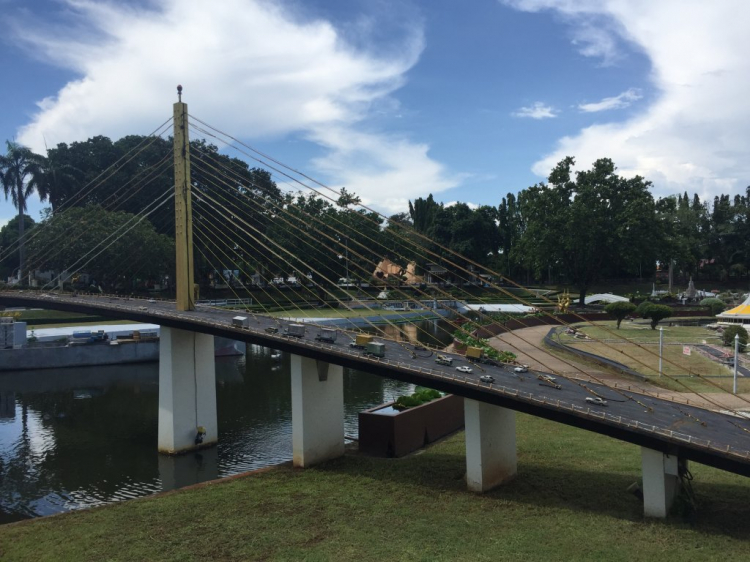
528 345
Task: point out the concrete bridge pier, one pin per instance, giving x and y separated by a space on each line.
491 457
661 481
317 411
187 391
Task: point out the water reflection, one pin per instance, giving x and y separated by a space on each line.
87 436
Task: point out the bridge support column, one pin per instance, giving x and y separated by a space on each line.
317 411
187 391
491 457
661 481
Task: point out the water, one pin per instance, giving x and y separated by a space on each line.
76 438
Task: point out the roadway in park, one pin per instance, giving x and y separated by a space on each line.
709 437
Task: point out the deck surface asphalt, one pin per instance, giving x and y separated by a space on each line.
659 420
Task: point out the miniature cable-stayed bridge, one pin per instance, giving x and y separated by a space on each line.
670 432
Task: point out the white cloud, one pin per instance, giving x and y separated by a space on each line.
693 136
469 204
382 170
252 68
616 102
537 110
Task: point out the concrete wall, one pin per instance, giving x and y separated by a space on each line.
77 356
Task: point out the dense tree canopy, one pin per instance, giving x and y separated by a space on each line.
107 245
9 259
576 229
596 225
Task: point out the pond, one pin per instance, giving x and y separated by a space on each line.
76 438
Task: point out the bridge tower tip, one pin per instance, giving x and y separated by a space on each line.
179 92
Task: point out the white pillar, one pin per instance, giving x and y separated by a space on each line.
491 457
660 482
187 390
317 411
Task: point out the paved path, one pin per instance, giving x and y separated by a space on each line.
527 344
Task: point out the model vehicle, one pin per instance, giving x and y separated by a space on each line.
375 349
522 369
596 400
240 321
487 378
361 341
295 330
463 369
444 360
327 335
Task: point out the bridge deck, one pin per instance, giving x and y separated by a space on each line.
712 438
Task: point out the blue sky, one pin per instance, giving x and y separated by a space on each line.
396 99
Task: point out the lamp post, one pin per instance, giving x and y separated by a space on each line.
736 353
661 347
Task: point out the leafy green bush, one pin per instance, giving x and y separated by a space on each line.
642 309
421 396
728 334
716 305
464 334
619 310
657 312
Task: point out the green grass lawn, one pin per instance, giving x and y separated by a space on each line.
637 346
568 502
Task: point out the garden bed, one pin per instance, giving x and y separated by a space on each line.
386 432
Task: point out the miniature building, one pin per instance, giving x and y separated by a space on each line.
386 268
738 315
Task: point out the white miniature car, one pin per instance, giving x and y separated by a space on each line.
521 369
487 378
596 400
463 369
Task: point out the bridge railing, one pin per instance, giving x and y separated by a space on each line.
517 394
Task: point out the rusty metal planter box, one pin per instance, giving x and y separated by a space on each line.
400 433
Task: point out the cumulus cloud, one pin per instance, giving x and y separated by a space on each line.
616 102
256 69
693 136
537 110
386 170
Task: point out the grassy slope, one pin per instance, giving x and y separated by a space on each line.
567 503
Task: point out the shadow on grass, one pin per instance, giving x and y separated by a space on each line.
722 507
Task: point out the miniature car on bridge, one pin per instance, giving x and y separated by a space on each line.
463 369
444 360
487 378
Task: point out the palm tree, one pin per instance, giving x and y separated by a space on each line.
21 173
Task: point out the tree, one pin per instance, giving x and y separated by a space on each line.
619 310
642 309
423 213
8 241
657 313
111 246
21 172
716 305
728 334
598 225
